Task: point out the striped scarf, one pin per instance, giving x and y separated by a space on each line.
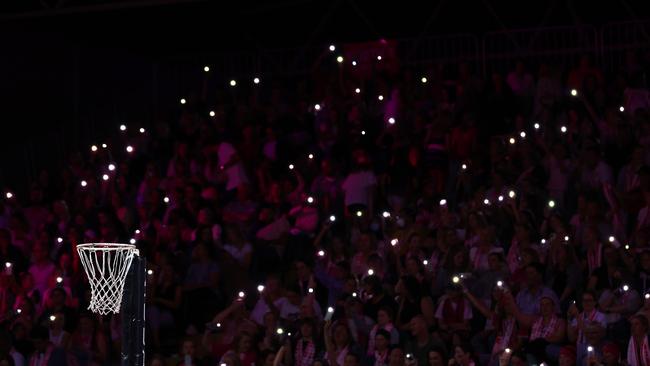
304 355
540 330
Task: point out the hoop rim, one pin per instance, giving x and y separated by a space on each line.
106 246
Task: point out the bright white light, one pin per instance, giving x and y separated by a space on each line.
321 253
183 101
291 166
166 199
105 177
59 240
310 290
371 272
332 48
507 350
241 294
310 199
647 296
512 141
233 82
378 58
111 167
574 92
563 129
52 318
206 68
394 242
566 238
142 130
359 213
330 309
425 262
7 264
280 331
590 349
129 149
212 114
122 128
486 201
536 126
380 97
512 194
464 166
363 132
132 241
104 146
391 120
59 279
543 241
626 287
260 288
385 214
339 59
354 294
357 90
93 148
621 108
256 80
332 218
627 246
9 195
455 279
424 80
499 283
310 156
137 231
150 272
84 183
522 134
500 198
551 203
317 107
611 239
19 310
354 63
443 202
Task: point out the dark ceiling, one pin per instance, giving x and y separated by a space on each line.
206 26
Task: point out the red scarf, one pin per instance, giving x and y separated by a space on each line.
594 259
451 315
505 330
638 357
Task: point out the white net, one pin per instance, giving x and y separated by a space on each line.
106 265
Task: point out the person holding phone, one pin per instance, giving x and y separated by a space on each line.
589 321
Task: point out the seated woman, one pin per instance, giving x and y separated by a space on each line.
547 333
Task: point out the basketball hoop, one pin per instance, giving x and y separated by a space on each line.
106 265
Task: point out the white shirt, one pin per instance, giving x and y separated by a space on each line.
238 253
596 317
261 308
235 173
357 187
19 360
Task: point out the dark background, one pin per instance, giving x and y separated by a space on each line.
71 71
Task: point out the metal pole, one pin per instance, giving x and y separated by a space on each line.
133 314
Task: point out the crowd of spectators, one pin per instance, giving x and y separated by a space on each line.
398 218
